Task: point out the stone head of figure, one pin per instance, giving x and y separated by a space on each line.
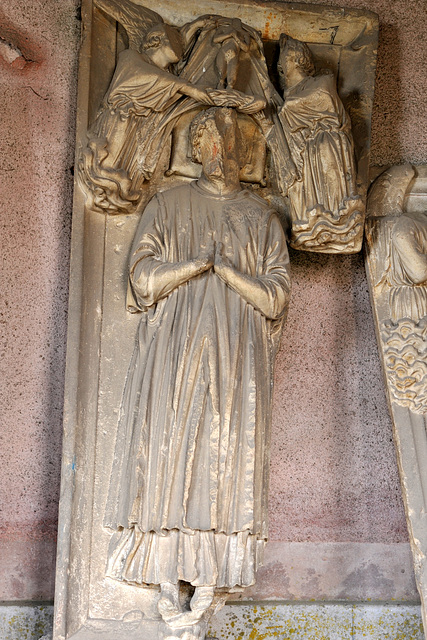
295 60
215 141
163 45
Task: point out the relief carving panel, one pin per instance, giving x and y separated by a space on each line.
201 136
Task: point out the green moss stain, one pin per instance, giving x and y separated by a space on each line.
25 622
318 622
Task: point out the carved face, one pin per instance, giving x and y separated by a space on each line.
173 43
164 45
211 150
295 61
287 62
217 149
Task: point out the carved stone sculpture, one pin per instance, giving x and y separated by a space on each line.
397 242
146 96
166 76
396 260
131 126
188 492
313 155
166 443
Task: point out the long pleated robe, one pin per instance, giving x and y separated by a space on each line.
318 134
188 491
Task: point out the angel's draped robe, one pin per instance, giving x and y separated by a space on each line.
408 267
318 134
188 491
136 116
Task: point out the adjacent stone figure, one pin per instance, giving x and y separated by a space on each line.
209 273
134 120
397 258
233 39
314 158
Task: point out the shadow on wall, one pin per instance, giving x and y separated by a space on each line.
332 455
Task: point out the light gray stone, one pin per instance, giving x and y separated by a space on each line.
28 622
381 622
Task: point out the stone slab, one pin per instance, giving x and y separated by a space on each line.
318 622
335 571
97 361
286 621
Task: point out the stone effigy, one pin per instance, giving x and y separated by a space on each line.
396 263
181 285
188 495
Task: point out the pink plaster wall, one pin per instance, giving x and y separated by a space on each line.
37 99
334 472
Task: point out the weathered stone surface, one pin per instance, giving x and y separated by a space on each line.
396 266
26 622
334 571
318 622
37 101
35 170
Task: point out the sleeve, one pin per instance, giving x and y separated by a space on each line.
152 276
147 251
275 277
269 290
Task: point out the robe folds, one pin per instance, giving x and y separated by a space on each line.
318 134
408 267
190 472
134 114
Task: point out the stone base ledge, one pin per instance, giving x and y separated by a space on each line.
299 621
27 570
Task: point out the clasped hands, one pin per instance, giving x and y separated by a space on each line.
213 256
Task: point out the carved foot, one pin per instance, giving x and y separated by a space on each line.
168 605
175 617
202 599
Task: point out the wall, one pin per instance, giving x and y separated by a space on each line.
334 479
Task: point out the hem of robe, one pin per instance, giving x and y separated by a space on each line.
202 558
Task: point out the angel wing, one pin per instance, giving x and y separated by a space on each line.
135 18
387 193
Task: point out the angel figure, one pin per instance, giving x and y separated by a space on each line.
397 245
132 124
313 156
